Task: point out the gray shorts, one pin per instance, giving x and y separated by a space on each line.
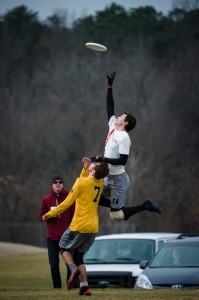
118 185
74 240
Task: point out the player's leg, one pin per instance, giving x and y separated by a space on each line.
119 185
84 288
129 211
88 240
69 242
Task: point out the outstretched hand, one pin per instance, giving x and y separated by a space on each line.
96 159
86 162
44 218
111 78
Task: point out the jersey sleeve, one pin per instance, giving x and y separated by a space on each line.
124 147
84 173
110 103
111 122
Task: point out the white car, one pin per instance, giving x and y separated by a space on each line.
114 259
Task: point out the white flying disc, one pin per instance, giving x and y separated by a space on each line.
96 47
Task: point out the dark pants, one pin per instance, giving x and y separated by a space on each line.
53 256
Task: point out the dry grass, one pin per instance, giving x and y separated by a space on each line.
27 276
9 249
98 294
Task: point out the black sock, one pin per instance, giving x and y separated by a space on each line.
132 210
115 209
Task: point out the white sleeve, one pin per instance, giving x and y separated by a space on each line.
111 122
124 147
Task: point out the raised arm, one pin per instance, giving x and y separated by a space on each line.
122 160
109 97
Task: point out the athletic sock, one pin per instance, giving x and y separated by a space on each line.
84 283
132 210
72 267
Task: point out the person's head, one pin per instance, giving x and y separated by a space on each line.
175 255
122 249
131 122
99 170
57 183
126 122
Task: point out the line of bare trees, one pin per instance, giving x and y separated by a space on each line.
52 111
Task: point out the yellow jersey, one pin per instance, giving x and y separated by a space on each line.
86 192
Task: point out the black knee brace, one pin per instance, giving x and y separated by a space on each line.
78 258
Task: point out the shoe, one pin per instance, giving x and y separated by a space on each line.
151 206
71 281
85 291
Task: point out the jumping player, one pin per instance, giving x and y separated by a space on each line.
117 148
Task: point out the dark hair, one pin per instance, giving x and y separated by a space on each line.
131 122
101 170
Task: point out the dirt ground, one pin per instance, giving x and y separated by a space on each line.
19 249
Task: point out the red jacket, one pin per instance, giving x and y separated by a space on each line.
56 226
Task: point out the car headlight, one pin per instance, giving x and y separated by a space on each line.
143 282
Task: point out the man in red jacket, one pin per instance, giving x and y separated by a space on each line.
56 226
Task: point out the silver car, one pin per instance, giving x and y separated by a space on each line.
175 266
114 259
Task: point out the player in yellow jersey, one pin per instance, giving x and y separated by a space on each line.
79 237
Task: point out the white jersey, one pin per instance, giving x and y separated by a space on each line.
117 142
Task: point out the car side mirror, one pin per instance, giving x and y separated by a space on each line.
143 264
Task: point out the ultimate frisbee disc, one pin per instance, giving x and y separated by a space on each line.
96 47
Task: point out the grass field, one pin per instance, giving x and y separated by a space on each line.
28 277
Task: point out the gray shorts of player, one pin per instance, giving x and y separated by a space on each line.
118 185
74 240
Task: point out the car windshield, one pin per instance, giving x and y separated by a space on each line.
120 251
177 255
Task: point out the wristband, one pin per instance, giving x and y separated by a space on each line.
109 86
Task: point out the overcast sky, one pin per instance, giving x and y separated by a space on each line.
80 8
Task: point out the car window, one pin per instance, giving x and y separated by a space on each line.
117 251
175 255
